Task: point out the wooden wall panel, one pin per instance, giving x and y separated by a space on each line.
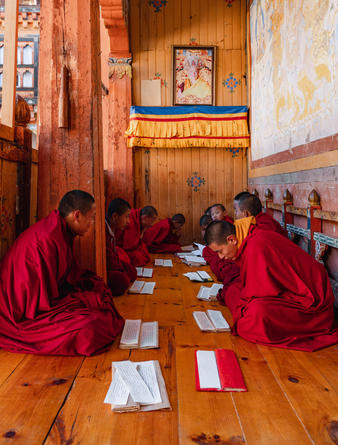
8 195
167 172
204 22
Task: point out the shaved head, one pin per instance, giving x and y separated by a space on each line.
178 218
251 203
218 231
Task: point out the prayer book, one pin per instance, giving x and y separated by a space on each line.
163 263
144 272
142 287
193 260
188 248
199 275
218 371
209 293
136 334
211 321
199 250
137 386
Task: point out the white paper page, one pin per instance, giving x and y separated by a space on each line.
203 321
136 287
118 392
200 247
149 335
139 271
139 391
196 252
195 259
218 320
131 332
167 263
147 272
181 254
203 274
148 288
148 374
188 248
193 276
203 293
207 370
214 289
158 262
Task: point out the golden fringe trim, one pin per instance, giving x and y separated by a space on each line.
185 143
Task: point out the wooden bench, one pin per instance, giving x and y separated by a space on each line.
291 398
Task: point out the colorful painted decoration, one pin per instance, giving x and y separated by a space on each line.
157 4
193 42
229 3
195 182
231 82
164 83
120 67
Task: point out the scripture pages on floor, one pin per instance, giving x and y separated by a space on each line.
136 334
211 321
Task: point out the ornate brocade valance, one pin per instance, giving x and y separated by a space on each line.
188 126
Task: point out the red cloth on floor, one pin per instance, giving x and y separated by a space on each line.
130 240
283 298
48 305
120 272
266 222
160 239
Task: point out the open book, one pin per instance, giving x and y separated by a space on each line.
144 272
199 275
211 321
193 260
218 371
137 386
209 293
199 250
142 287
163 263
136 334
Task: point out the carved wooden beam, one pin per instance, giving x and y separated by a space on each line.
115 16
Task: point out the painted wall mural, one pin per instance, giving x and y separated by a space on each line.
294 48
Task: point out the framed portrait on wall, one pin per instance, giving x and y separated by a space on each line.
194 75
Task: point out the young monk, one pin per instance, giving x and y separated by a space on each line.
120 272
247 204
48 305
163 237
218 213
130 239
283 296
224 270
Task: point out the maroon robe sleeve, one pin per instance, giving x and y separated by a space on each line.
284 298
266 222
160 239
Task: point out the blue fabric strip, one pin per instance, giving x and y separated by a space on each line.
187 109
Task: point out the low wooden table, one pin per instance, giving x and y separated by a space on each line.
291 398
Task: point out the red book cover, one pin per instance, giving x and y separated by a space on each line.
229 372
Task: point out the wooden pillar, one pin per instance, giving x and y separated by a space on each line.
119 167
314 224
268 197
287 217
70 156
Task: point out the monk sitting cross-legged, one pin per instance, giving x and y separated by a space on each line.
48 305
283 296
218 213
163 236
120 272
130 239
247 204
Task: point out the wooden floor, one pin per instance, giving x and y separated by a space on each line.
291 398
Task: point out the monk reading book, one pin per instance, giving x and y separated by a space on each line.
48 305
246 204
218 213
283 296
163 237
120 272
130 239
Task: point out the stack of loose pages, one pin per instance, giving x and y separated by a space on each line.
144 272
163 263
142 287
209 293
137 386
139 335
199 275
211 321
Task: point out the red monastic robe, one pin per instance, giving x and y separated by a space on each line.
160 239
120 272
283 297
48 305
223 269
130 240
228 219
266 222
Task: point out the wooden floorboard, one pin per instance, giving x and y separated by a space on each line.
291 398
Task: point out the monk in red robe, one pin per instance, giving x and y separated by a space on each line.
218 213
120 272
48 305
130 239
163 237
247 204
283 296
